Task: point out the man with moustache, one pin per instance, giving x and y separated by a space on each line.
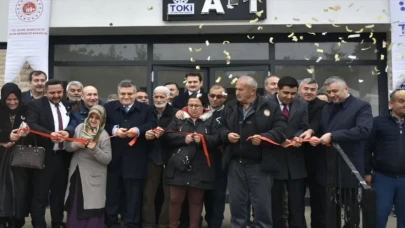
193 84
127 119
250 163
74 94
158 153
308 92
37 81
292 173
349 134
50 114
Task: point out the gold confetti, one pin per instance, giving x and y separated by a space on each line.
382 57
207 43
192 59
294 38
315 19
319 59
353 36
380 17
250 37
259 14
197 49
324 33
312 33
336 26
319 50
209 58
288 26
291 35
308 25
325 10
371 35
260 28
218 79
359 31
226 42
336 8
310 70
343 41
390 47
190 49
275 18
200 27
296 19
349 30
197 67
369 26
301 37
395 22
150 8
233 81
306 58
330 20
316 44
362 41
337 58
352 57
363 49
339 44
260 1
185 81
374 40
226 53
271 40
254 21
384 44
401 76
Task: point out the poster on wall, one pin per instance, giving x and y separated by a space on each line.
398 47
28 36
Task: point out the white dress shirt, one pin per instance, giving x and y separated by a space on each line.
65 118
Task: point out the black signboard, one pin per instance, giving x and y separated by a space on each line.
196 10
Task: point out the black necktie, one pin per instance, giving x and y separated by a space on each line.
60 123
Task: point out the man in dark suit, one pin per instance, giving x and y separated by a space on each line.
50 115
308 92
193 84
348 121
37 81
127 119
292 171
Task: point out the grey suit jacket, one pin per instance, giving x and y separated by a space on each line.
292 159
93 169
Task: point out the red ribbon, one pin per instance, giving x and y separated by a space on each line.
278 144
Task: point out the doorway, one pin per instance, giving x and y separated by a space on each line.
222 75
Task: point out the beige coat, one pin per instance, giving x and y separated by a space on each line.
93 169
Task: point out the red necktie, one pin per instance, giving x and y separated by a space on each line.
285 112
60 123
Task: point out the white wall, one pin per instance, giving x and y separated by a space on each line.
133 13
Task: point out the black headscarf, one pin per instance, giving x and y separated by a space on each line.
8 89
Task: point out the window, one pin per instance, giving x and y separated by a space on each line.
301 51
298 72
215 51
105 79
101 52
360 79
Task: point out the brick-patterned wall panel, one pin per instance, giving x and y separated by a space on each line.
22 80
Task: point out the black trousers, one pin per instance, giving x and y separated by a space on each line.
133 201
317 195
53 177
296 203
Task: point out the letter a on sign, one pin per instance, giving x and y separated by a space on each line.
212 5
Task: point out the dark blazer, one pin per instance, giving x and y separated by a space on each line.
129 161
292 159
26 97
181 100
40 118
350 124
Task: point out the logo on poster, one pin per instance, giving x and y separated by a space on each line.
180 7
402 27
29 10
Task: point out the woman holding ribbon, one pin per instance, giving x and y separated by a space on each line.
13 180
189 170
86 191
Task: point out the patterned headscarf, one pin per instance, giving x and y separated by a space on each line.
95 132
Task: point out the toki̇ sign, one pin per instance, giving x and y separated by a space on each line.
192 10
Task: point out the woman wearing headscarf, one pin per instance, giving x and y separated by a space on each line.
188 171
13 180
86 191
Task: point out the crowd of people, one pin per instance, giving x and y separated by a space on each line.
157 162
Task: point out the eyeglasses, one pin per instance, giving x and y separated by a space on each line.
194 106
218 96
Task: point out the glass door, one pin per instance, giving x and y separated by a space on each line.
163 74
227 76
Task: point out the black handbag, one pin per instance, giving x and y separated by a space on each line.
28 156
181 160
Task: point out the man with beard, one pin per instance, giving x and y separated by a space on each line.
74 94
159 150
37 81
308 92
50 115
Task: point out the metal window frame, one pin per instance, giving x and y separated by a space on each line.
219 38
